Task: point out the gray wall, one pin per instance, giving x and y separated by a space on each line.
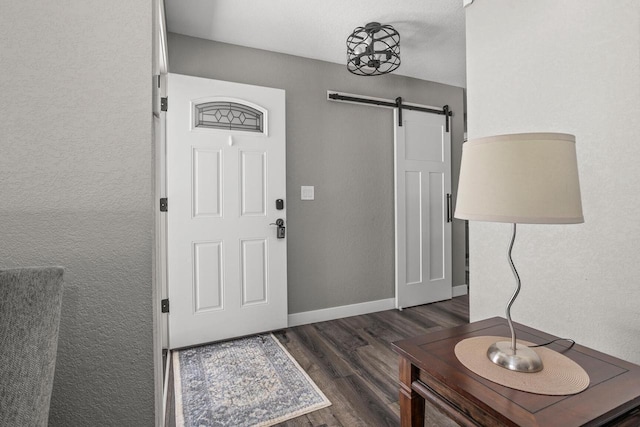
341 245
75 191
571 66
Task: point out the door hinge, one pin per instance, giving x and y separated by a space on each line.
164 305
164 103
164 204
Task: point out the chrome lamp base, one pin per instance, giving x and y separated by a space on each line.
522 360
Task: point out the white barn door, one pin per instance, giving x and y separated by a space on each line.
422 213
227 265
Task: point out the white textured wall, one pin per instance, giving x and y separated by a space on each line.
567 66
75 190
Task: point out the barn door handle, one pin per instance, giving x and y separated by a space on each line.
449 218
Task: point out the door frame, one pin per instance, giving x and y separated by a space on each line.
158 279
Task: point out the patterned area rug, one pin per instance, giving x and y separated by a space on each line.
251 381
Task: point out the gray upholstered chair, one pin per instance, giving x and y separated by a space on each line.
30 303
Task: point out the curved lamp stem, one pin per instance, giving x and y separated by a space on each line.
515 293
503 353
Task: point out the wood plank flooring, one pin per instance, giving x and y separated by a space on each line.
352 363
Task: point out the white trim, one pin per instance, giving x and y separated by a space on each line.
332 313
163 52
460 290
177 388
159 68
157 282
165 388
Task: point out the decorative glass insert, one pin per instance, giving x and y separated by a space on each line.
228 115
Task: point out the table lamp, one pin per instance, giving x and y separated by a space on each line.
525 178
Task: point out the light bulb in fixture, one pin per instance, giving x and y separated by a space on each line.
360 49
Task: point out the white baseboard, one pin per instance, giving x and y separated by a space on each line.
460 290
297 319
333 313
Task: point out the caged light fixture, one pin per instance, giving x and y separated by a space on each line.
373 50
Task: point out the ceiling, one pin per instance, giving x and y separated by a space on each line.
432 44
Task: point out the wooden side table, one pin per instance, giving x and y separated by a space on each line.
430 370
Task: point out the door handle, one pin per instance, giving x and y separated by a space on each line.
281 228
449 217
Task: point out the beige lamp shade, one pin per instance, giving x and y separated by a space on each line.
529 178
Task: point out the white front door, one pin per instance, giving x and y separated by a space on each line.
423 227
227 268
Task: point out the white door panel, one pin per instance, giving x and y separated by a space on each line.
423 233
226 267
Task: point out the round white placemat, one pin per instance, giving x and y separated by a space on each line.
560 375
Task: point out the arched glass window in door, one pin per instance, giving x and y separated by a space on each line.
228 115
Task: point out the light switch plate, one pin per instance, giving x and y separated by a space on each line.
306 192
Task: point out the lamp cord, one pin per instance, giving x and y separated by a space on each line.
513 298
558 339
515 294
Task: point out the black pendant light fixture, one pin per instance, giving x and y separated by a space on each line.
373 50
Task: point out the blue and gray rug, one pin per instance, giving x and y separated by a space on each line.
251 381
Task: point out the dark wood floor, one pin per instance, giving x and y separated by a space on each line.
352 363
